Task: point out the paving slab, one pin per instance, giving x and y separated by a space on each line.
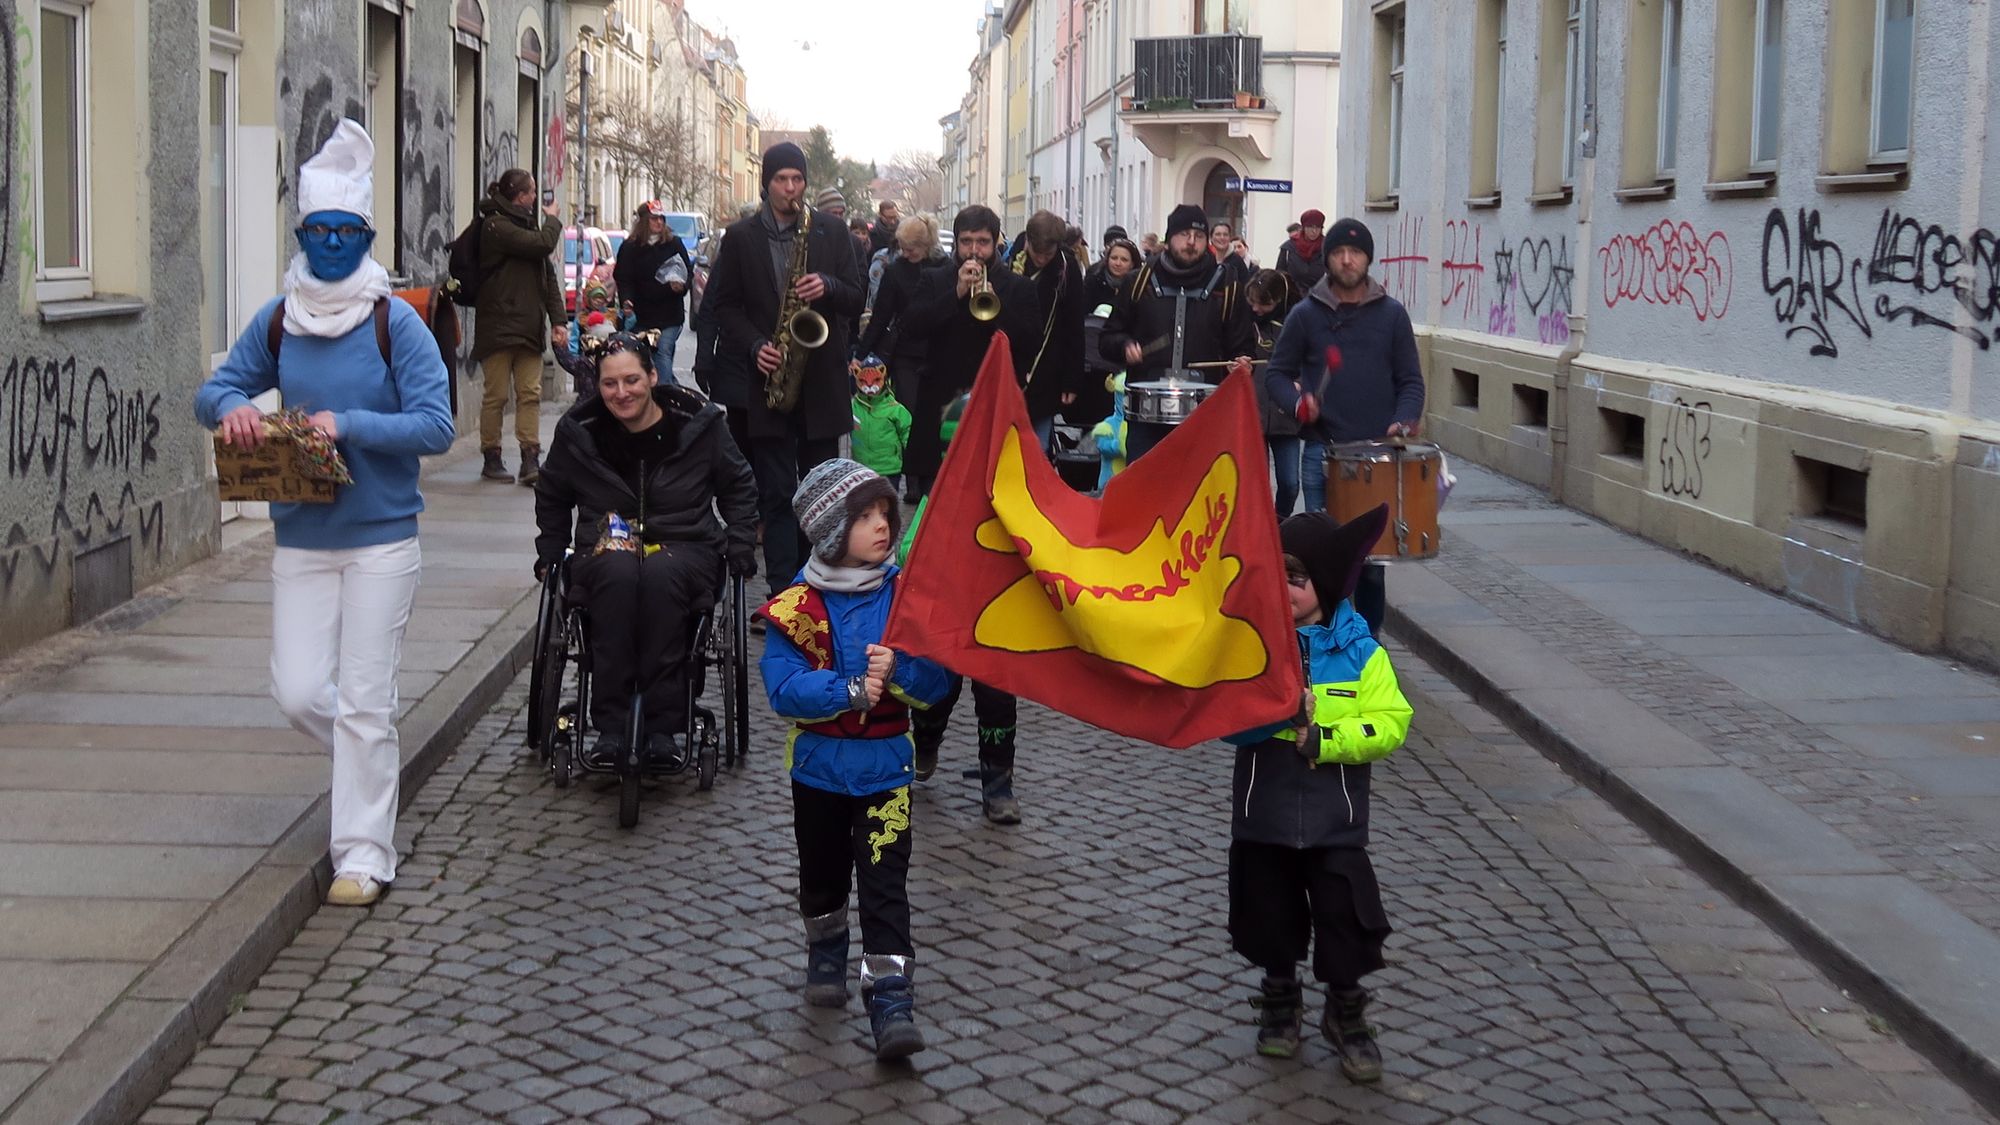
50 1003
93 929
122 870
149 818
98 736
1845 788
164 771
105 676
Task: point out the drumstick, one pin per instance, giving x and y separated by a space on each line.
1226 363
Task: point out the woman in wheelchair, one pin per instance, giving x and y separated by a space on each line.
644 462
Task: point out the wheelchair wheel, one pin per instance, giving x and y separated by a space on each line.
738 687
545 619
628 770
546 683
707 743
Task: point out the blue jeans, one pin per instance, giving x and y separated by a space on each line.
1312 473
663 353
1285 457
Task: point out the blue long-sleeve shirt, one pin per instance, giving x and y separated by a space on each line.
387 417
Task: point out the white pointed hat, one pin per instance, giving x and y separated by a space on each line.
341 175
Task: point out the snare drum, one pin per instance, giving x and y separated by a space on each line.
1154 408
1403 475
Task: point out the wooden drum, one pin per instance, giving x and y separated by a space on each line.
1402 474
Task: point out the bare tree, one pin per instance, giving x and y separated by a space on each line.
669 160
919 178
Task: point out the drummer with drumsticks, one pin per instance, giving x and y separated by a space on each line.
1346 364
1182 313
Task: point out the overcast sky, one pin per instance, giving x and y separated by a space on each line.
878 74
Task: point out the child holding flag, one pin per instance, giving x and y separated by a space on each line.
850 700
1298 860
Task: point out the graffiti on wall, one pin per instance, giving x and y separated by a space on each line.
1915 274
1403 262
1532 280
426 212
61 425
1669 264
318 116
7 102
501 149
1462 270
1684 448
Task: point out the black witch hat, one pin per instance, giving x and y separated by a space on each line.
1332 551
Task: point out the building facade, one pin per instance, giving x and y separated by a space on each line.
1721 272
152 149
1115 111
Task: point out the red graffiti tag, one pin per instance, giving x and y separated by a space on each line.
1669 264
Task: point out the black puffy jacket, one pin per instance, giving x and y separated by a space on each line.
702 472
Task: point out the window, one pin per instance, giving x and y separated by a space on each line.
1489 77
1670 88
61 228
218 212
1572 88
1652 68
1397 43
1767 72
1895 59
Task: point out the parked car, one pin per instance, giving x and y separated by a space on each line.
586 259
690 226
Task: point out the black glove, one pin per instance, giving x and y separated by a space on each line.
743 562
542 568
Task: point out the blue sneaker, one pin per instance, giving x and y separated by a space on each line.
892 1013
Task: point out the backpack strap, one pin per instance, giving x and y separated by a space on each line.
274 333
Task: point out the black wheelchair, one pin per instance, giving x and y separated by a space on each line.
559 685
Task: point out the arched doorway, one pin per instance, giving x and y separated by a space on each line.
1222 195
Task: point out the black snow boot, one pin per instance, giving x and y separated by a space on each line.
826 960
1280 1014
1344 1027
892 1015
531 465
928 736
996 775
493 469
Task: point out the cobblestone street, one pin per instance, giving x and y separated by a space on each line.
536 964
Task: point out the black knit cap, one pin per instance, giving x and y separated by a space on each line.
784 154
1186 217
1331 551
1351 232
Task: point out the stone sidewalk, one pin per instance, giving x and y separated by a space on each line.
1843 788
163 831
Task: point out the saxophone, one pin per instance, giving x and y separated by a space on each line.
800 329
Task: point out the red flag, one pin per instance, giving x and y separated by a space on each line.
1158 611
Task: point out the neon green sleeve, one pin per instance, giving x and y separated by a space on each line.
910 536
1381 725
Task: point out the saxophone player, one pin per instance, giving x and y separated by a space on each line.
758 283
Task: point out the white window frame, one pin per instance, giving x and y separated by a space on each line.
1876 153
1760 47
1572 93
65 282
1668 128
1398 56
223 53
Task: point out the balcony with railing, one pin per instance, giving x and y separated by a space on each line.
1211 84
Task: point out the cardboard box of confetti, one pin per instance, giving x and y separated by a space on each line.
268 472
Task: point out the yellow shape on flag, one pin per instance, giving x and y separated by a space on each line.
1157 607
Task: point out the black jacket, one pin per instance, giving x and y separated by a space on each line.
1057 342
654 305
1378 381
1305 272
885 336
957 341
1219 325
881 236
702 471
742 296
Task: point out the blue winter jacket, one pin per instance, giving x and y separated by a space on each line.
859 767
1361 715
1379 380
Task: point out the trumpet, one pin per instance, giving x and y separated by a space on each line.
983 303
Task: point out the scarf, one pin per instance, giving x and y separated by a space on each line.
1307 250
331 308
833 578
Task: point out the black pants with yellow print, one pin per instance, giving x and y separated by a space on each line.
859 841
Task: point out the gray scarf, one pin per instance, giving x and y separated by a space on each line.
834 578
780 244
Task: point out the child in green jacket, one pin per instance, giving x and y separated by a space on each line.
881 424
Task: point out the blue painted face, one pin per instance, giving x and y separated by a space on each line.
334 243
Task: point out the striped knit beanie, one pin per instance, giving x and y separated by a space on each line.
832 496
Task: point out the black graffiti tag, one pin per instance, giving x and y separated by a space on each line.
1811 281
1684 448
1923 260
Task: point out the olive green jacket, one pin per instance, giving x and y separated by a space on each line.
519 298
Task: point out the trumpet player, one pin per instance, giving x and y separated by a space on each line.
1055 375
945 312
748 288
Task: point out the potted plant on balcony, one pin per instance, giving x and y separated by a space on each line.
1247 100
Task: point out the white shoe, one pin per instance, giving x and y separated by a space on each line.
353 890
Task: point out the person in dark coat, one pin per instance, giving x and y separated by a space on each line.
1055 370
1270 297
1303 256
660 460
1102 284
520 308
957 345
1141 330
907 353
744 295
882 236
653 272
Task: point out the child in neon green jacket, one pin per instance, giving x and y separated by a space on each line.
1298 859
881 424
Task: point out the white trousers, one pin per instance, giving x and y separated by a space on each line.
337 620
